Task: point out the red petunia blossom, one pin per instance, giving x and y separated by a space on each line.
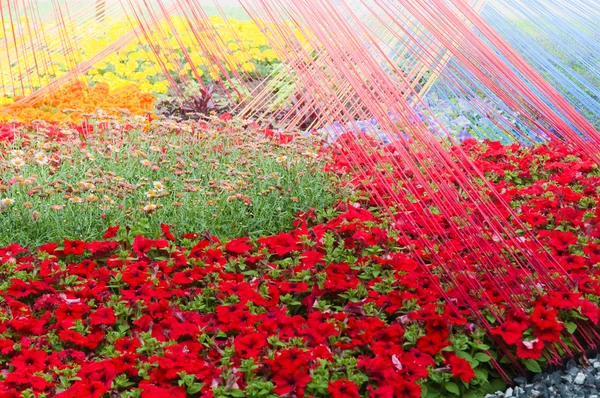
250 345
111 232
406 389
152 391
281 244
530 349
288 381
75 247
437 328
30 361
548 331
510 331
430 345
564 300
94 389
127 344
589 310
103 316
461 368
383 392
166 230
20 289
142 245
238 246
542 316
67 313
343 388
559 240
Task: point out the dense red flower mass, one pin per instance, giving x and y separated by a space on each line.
340 305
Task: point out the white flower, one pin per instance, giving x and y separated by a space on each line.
7 201
41 158
17 162
159 186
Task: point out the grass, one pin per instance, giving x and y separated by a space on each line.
222 179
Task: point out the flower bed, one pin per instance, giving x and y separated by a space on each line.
66 181
337 306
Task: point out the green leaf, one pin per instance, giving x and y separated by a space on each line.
452 387
571 327
433 393
533 366
195 388
481 357
237 393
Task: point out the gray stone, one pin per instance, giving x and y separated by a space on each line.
519 391
535 393
568 379
508 393
580 378
520 380
596 364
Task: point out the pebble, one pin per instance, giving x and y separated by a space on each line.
572 382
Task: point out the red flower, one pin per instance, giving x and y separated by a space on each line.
565 300
111 232
343 388
590 310
30 361
75 247
461 368
250 345
20 289
288 381
94 389
510 331
548 331
103 316
405 389
530 349
282 243
559 240
142 245
430 344
238 246
166 230
70 312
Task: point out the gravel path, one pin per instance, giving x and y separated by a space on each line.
573 382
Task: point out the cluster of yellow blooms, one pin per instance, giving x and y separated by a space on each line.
135 63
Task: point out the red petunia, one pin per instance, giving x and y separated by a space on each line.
510 331
111 232
75 247
20 289
238 246
103 316
530 349
250 345
288 381
343 388
166 230
430 344
142 245
461 368
406 389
